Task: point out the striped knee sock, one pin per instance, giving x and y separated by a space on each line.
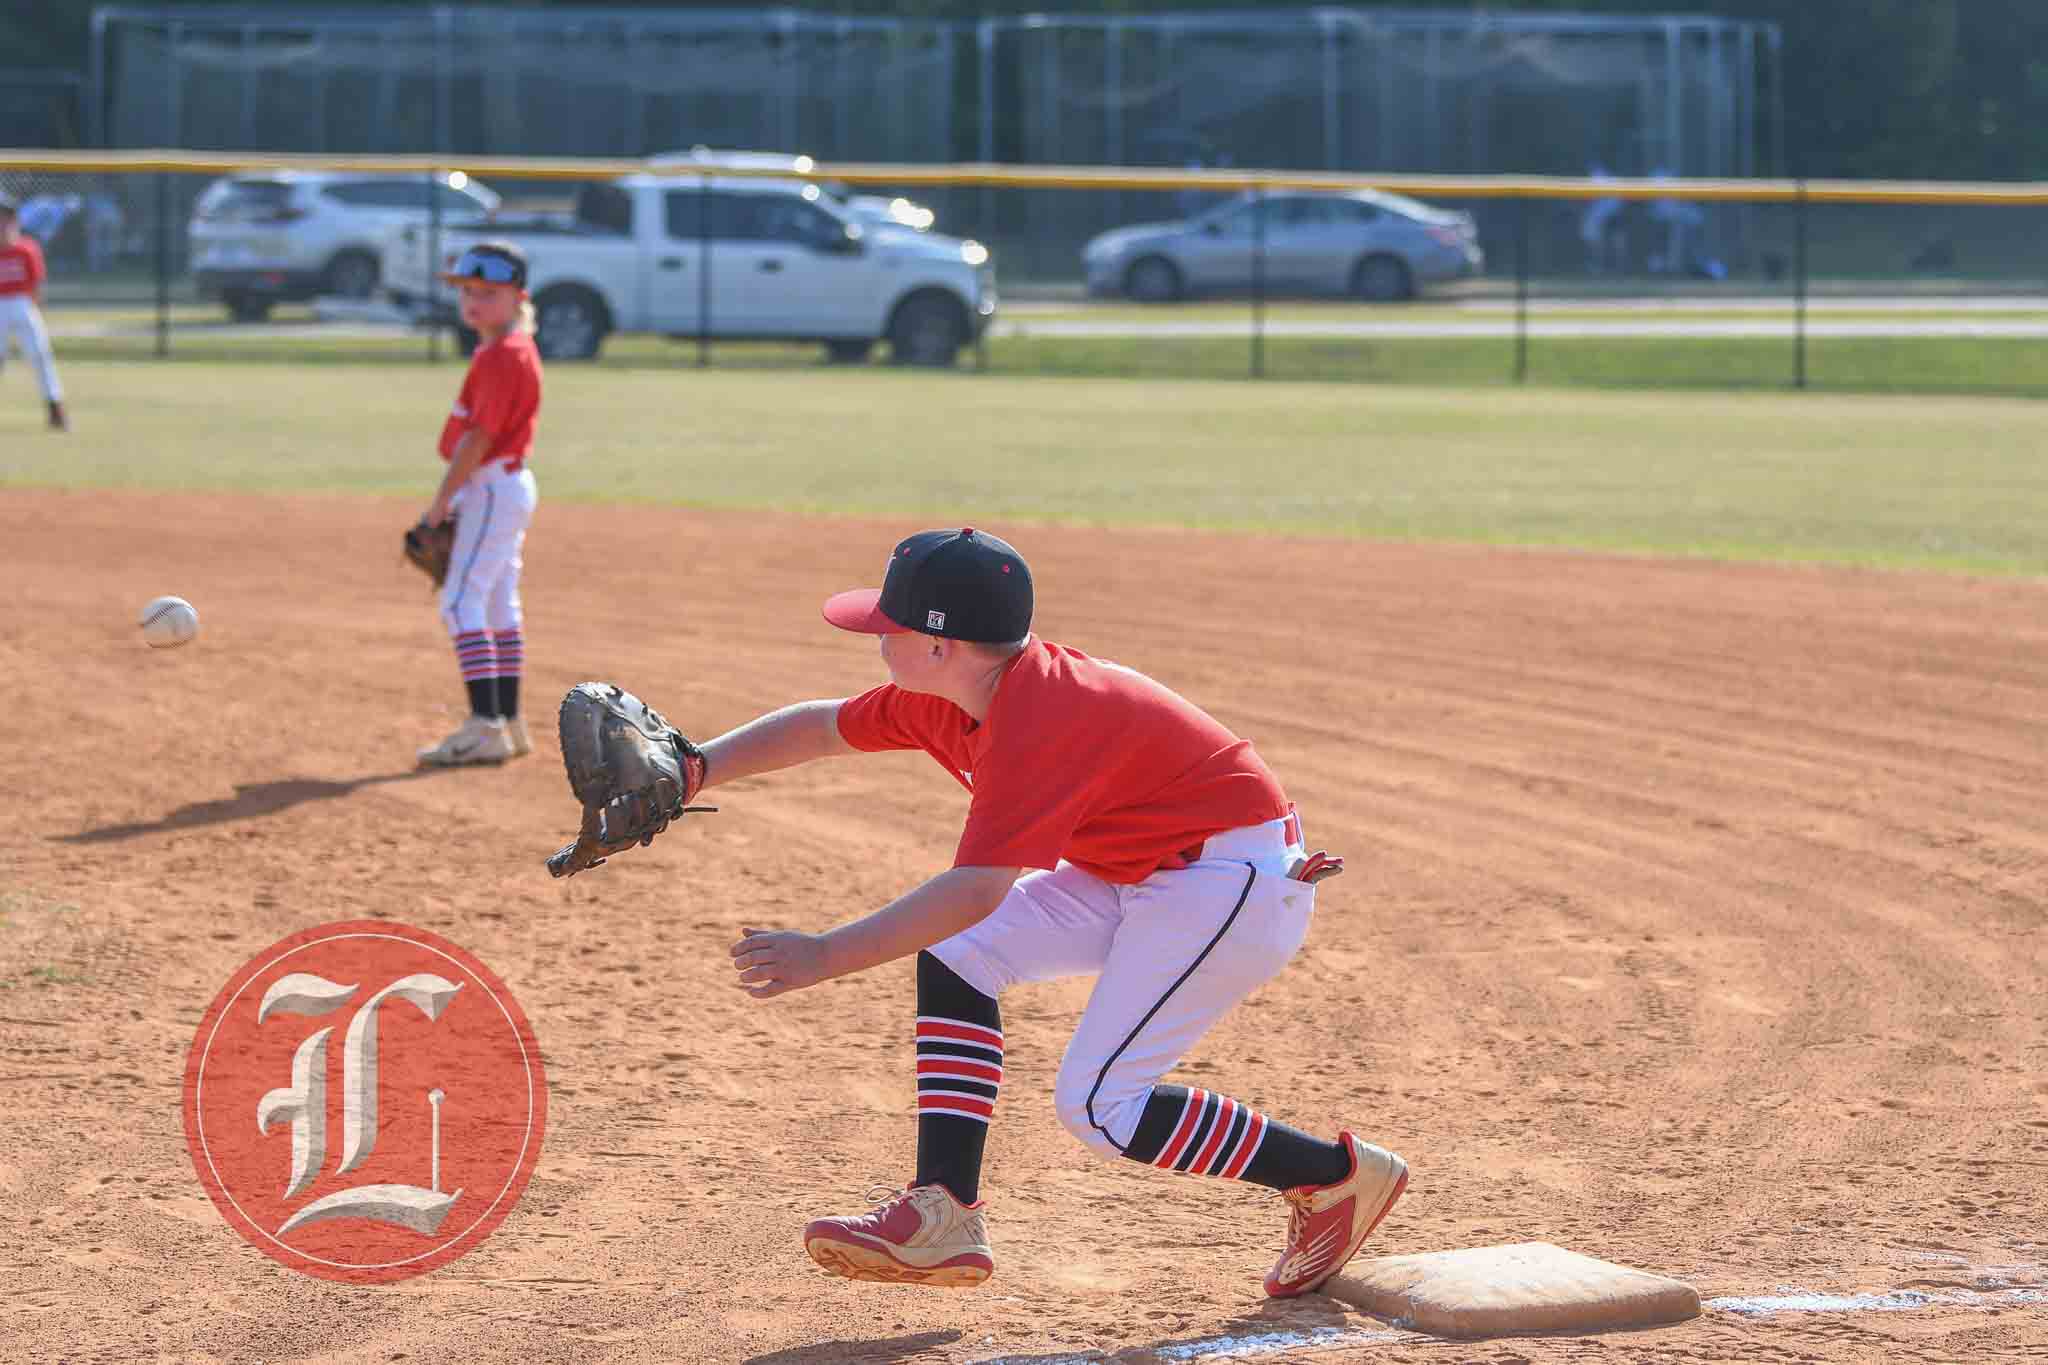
511 662
1199 1132
479 669
959 1072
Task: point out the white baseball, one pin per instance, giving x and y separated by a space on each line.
169 621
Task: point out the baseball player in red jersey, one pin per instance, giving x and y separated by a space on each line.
487 441
21 319
1114 830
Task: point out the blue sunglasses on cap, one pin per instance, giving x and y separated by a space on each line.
490 267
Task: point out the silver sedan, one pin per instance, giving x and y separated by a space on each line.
1363 243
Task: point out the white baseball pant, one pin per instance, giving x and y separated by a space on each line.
1171 956
493 511
21 321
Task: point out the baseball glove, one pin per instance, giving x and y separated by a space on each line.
429 548
632 771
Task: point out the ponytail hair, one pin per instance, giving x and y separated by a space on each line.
527 322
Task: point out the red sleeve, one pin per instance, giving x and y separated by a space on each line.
500 380
37 273
887 717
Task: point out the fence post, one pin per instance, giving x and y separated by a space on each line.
163 263
1258 283
1521 289
704 271
1799 289
433 268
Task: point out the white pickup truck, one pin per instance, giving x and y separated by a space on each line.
725 257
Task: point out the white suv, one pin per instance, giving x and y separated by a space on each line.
263 238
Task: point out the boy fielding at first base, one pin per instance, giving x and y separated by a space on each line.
1114 830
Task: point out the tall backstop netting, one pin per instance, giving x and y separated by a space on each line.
482 81
1383 90
1387 91
1324 89
1312 89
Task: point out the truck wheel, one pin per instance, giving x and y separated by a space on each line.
572 323
928 329
246 307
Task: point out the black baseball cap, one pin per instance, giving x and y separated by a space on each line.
7 205
963 585
489 263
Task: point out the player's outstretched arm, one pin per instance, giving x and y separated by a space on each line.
781 739
773 962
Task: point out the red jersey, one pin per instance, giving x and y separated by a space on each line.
1079 759
21 266
500 395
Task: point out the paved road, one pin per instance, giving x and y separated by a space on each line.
1695 329
1490 317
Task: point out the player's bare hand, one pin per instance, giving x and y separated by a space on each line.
772 962
436 513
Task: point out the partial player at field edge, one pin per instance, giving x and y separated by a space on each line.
22 273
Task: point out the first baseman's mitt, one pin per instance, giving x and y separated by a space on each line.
429 548
632 770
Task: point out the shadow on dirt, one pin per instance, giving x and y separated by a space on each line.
250 801
883 1351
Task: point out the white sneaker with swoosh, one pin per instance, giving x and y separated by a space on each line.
481 739
1327 1224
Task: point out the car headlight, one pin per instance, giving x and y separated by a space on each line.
974 253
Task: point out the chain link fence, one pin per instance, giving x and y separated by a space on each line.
1453 281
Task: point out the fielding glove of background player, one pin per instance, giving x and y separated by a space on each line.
429 548
632 770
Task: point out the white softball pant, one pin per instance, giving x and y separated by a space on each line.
493 511
1171 955
22 322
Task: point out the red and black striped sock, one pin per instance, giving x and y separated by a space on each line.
1199 1132
479 663
511 651
959 1072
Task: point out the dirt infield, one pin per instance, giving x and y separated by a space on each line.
1697 920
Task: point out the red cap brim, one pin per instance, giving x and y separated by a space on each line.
860 610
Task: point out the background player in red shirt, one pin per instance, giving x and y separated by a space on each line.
21 319
486 441
1115 830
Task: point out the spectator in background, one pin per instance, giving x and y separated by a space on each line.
21 318
1600 228
1679 218
83 227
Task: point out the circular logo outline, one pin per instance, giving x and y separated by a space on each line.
449 1249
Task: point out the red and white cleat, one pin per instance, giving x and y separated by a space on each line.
922 1235
1327 1224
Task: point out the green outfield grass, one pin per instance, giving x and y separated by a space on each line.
1497 309
1896 365
1970 365
1949 482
